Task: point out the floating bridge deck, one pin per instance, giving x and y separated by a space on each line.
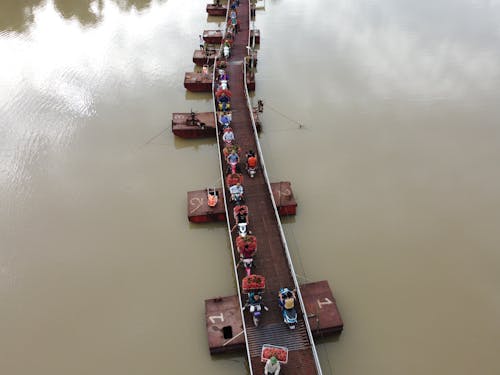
272 259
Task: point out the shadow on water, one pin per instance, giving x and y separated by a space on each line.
84 11
219 20
237 358
193 143
208 226
18 15
287 220
206 96
328 340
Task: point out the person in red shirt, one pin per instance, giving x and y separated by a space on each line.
251 160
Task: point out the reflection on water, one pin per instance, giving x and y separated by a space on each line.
54 74
399 102
17 15
87 12
79 103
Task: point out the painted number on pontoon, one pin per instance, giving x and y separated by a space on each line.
213 318
326 301
284 192
196 203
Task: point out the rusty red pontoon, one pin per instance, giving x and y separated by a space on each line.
227 327
216 10
212 36
205 57
193 125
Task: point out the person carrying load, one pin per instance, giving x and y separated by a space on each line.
251 159
272 367
212 197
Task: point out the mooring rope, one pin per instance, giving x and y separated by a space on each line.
317 315
154 137
301 125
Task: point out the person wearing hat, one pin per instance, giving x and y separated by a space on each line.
272 367
287 299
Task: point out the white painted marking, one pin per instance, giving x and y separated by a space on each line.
214 317
196 202
326 302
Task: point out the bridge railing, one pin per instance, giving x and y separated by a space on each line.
282 234
221 163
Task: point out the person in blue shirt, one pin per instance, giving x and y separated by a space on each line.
233 157
224 101
225 120
228 136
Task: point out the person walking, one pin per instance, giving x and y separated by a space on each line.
272 367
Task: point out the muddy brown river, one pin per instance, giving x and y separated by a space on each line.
383 115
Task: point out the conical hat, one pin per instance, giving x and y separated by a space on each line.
289 303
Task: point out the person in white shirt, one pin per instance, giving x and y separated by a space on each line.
228 137
272 367
236 191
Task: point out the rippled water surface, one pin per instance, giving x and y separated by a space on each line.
383 115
